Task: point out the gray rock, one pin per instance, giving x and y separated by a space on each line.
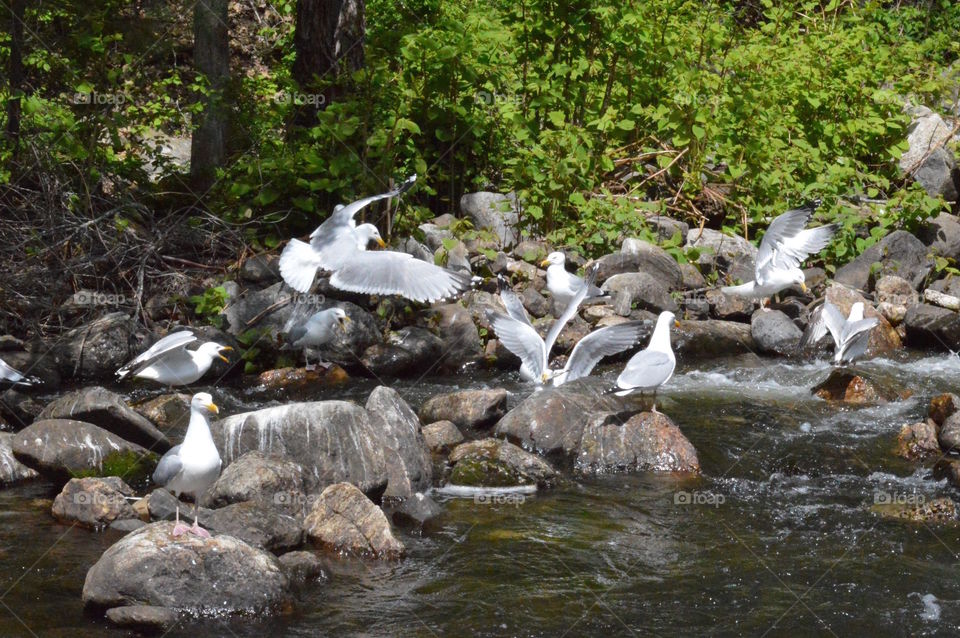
930 163
943 406
461 340
774 332
262 478
409 466
107 410
896 290
126 525
942 235
640 290
199 576
343 520
535 303
18 409
930 326
692 279
257 524
161 505
433 237
408 349
301 567
712 338
938 175
950 433
93 502
97 349
466 408
722 252
169 412
647 442
498 463
442 436
667 227
899 253
12 471
419 251
494 212
654 261
531 251
251 302
61 449
413 512
144 618
729 307
261 269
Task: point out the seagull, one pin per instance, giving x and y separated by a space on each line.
339 246
13 376
784 246
170 363
520 337
653 366
316 331
850 335
194 465
564 285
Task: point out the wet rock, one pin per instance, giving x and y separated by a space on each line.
930 326
301 567
215 575
442 436
413 512
408 349
144 618
93 502
261 269
264 478
883 338
899 253
97 349
647 442
257 524
61 449
725 253
466 408
638 290
161 505
948 468
169 412
774 332
711 338
694 308
344 520
654 261
729 307
126 525
919 510
494 212
12 471
18 409
266 309
107 410
535 303
497 463
35 363
461 340
294 381
845 386
918 440
950 433
943 406
409 466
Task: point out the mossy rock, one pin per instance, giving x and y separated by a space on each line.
129 465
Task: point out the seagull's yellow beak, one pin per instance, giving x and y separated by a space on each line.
545 262
676 324
223 349
803 286
381 243
343 323
213 408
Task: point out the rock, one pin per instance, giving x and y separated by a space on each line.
640 290
257 524
918 440
844 386
12 471
949 285
461 340
97 349
896 290
361 333
774 332
531 251
939 175
932 327
899 253
949 436
943 406
242 312
654 261
344 520
667 227
261 269
93 502
729 307
408 349
442 436
169 412
433 237
107 410
409 466
883 338
144 618
301 567
126 525
217 575
494 212
692 279
263 478
466 408
930 163
457 257
497 463
412 512
300 381
61 449
942 235
34 363
535 303
712 338
575 330
647 442
162 506
18 409
719 252
919 510
419 251
947 467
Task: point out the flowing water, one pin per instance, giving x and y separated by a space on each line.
775 538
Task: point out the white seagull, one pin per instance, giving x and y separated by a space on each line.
194 465
11 375
783 248
850 335
318 330
520 337
338 245
564 285
653 366
170 363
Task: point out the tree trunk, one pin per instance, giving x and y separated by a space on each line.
328 41
211 58
17 8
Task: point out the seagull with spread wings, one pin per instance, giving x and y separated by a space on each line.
169 362
850 335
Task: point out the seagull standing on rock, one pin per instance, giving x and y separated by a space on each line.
850 336
653 366
317 330
564 285
169 362
194 465
785 245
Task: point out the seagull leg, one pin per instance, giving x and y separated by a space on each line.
196 529
764 304
179 529
306 359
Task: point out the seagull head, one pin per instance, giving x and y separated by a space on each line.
203 402
342 318
214 350
554 259
668 319
367 233
799 280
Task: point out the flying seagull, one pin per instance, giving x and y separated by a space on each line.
785 245
169 362
564 285
13 376
194 465
317 330
850 335
653 366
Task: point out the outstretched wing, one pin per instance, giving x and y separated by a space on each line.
825 318
393 273
522 340
163 347
786 243
599 344
511 301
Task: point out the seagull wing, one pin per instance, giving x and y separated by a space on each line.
393 273
163 348
786 225
168 467
511 301
11 374
522 340
825 318
571 309
341 220
786 244
599 344
855 339
646 369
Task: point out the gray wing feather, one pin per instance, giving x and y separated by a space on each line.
392 273
163 347
522 340
856 338
168 467
511 301
599 344
646 369
786 225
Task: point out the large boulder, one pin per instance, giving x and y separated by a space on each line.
637 255
169 412
257 524
774 332
899 253
466 408
361 333
262 478
107 410
647 442
942 235
930 326
409 466
408 349
219 575
498 463
11 470
96 350
712 338
494 212
638 290
729 307
61 449
266 309
442 436
927 159
847 387
461 339
343 520
93 502
731 254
